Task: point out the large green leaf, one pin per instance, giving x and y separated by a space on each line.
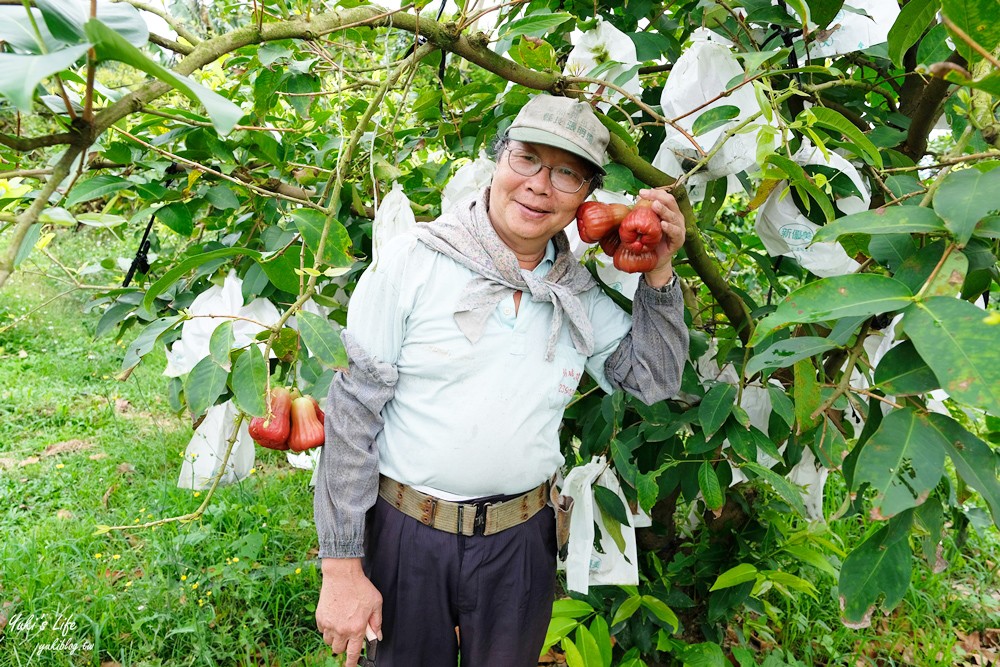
146 341
960 347
589 650
785 489
249 382
174 274
786 352
535 25
97 187
903 461
205 383
661 611
880 568
220 344
21 74
337 250
323 342
974 460
713 118
892 220
964 198
833 120
711 489
910 25
716 407
735 576
112 46
978 20
902 371
833 298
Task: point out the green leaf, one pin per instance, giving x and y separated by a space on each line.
974 460
892 220
144 342
781 404
978 20
829 445
95 188
661 611
589 650
880 568
535 25
807 394
914 18
249 382
966 197
174 274
611 504
903 461
571 608
811 557
988 227
785 489
536 55
337 251
602 634
627 609
834 298
786 352
821 12
713 118
960 347
221 343
710 487
559 627
176 216
798 177
716 407
706 654
323 342
205 383
21 74
735 576
573 656
833 120
112 46
903 372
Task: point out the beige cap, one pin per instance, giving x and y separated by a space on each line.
563 123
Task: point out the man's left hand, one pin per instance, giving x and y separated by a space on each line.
672 224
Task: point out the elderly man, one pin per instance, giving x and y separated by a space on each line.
466 342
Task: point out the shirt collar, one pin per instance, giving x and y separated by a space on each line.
548 259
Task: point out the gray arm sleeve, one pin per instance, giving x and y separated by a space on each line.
650 359
347 480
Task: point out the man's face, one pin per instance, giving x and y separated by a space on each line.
527 211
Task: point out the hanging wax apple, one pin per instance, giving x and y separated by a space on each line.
610 242
307 429
635 261
641 229
595 219
272 429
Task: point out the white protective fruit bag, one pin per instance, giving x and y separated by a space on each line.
586 566
393 217
598 48
785 231
854 31
207 449
469 179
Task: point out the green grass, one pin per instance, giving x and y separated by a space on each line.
237 587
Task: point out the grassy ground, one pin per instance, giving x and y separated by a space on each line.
239 586
78 449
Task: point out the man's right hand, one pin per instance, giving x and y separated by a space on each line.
348 604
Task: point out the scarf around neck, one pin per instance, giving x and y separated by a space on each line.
466 235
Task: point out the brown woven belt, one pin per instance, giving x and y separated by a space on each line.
465 518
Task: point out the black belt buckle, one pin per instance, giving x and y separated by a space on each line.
479 524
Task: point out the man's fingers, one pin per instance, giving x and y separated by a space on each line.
375 622
353 651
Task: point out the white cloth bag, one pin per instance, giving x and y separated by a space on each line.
393 217
585 566
207 448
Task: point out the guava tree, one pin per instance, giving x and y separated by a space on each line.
840 272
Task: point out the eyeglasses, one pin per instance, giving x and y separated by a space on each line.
562 178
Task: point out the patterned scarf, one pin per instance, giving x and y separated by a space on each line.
467 236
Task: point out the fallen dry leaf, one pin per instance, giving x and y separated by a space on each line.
122 405
107 495
64 514
66 447
125 468
29 461
7 463
98 456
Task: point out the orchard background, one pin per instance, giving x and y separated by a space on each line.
833 447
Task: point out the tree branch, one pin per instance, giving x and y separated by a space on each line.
25 144
926 112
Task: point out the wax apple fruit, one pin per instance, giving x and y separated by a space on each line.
632 261
640 229
595 219
272 430
307 427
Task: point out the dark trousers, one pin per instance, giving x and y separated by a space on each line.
497 590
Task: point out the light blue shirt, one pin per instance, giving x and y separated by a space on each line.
470 420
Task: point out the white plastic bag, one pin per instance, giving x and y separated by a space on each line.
850 31
605 43
701 73
393 217
468 180
585 566
785 231
207 448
